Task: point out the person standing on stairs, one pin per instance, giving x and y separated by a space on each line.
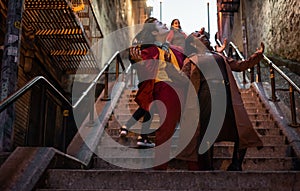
175 39
176 36
237 126
144 95
155 62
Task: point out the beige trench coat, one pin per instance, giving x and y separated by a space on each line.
247 135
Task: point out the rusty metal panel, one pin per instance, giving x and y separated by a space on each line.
60 32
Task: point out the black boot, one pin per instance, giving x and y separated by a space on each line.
206 159
237 159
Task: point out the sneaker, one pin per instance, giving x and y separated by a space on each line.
141 142
123 131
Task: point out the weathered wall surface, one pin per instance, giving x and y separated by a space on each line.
277 23
112 14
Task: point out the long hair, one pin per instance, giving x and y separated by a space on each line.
145 36
173 21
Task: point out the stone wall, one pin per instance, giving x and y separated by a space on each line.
112 14
277 23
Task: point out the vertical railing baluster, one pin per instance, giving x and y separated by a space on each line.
252 74
293 107
64 130
117 67
105 96
258 72
92 101
272 78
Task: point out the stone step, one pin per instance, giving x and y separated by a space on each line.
246 98
126 104
125 114
256 110
220 163
264 123
130 103
259 116
268 131
250 104
219 151
257 123
263 131
170 180
269 140
266 151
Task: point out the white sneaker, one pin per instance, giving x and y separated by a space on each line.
123 131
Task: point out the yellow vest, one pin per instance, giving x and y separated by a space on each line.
161 73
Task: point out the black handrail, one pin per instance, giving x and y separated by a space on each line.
40 79
37 79
292 86
12 98
94 82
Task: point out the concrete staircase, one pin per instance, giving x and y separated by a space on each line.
274 167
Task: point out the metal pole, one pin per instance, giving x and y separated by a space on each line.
105 96
9 69
160 6
208 23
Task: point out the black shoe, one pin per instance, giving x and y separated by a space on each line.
234 167
141 142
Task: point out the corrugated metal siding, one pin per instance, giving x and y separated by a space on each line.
22 112
60 33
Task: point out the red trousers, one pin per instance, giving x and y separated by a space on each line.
169 116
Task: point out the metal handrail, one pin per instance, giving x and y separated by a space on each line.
293 87
237 51
35 80
281 73
243 59
270 64
94 82
16 95
5 103
221 44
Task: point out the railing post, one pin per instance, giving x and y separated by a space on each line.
258 72
230 52
244 77
92 101
65 126
252 74
117 67
293 108
131 77
272 78
105 96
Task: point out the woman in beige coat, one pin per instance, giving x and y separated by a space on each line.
237 126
